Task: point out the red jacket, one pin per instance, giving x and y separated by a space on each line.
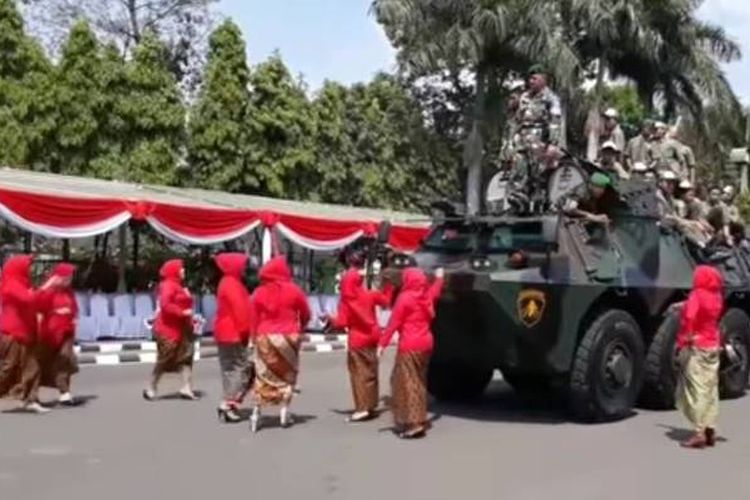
413 313
233 312
279 305
357 310
18 317
174 299
702 311
59 309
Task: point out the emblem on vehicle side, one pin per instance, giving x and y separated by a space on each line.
530 306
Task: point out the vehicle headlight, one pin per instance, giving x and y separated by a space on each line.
481 263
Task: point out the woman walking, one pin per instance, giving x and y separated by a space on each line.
357 313
173 329
59 314
412 317
281 313
699 343
19 369
232 333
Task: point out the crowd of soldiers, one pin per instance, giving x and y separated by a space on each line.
656 154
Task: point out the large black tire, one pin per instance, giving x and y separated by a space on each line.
457 381
660 379
607 372
735 330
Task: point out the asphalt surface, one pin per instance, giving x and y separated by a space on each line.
118 446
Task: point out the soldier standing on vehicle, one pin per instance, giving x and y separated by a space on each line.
638 148
611 130
665 194
667 153
609 160
728 196
539 112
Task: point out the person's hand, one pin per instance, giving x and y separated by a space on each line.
598 218
439 273
381 350
187 312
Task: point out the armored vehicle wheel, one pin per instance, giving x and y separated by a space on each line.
735 326
607 372
456 381
661 365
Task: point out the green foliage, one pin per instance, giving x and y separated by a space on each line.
80 104
624 98
148 114
281 131
218 131
24 92
373 148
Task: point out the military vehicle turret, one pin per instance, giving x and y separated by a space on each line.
568 307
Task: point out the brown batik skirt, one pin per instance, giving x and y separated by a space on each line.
57 365
363 373
172 356
19 370
276 368
409 390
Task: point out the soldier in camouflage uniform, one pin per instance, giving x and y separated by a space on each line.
667 153
536 131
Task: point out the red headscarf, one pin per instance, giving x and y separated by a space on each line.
273 275
354 296
172 270
17 270
64 270
414 282
231 263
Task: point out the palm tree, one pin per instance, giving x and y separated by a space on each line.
493 39
658 44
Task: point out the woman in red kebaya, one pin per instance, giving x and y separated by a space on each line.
232 333
698 342
173 329
19 369
59 312
357 313
412 317
281 314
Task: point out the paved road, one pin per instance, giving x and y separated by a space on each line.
118 447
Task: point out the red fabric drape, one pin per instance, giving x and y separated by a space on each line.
74 217
406 238
320 229
60 211
203 222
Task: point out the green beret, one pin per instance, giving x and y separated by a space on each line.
600 180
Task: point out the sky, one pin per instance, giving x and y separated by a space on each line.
340 40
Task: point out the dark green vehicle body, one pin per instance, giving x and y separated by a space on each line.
575 272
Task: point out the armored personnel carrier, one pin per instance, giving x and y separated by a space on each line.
579 310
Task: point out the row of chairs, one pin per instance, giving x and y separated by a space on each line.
125 316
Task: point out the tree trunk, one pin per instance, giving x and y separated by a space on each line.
593 121
474 147
135 28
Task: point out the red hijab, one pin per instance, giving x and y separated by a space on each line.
273 276
414 283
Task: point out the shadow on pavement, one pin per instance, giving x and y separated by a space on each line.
177 397
679 435
500 404
78 402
